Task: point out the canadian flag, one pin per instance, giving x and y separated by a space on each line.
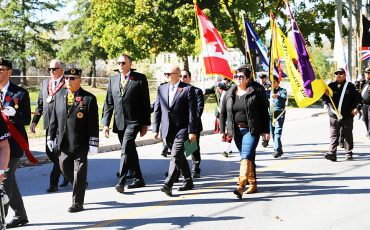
215 52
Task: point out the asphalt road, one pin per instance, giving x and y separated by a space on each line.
301 190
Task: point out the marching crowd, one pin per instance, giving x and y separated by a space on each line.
246 110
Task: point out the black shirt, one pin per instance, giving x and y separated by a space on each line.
240 114
4 134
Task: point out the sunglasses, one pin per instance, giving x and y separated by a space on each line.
339 73
239 77
53 69
184 76
71 78
121 63
168 74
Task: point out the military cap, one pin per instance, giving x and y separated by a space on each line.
263 75
6 63
367 70
339 70
73 71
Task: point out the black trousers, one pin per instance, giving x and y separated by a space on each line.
55 171
12 190
366 117
195 157
335 125
178 161
129 156
74 167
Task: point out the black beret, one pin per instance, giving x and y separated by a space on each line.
73 71
6 63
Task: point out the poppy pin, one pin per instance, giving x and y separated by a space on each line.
131 78
78 99
8 98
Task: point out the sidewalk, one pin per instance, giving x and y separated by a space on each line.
37 145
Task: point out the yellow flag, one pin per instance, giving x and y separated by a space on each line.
282 48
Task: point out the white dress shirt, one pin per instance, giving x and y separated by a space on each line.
55 83
172 89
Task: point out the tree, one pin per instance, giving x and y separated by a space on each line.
78 48
25 31
145 27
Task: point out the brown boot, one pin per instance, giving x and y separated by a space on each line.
251 178
242 180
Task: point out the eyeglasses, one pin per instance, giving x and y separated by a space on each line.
71 78
53 69
239 77
339 73
121 63
184 76
168 74
1 70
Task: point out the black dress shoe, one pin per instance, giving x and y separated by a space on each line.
137 183
277 154
75 208
120 188
167 190
186 186
16 222
225 154
331 156
64 183
196 175
52 189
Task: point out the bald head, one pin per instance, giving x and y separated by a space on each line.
172 72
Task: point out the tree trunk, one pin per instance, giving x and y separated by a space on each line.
94 72
23 45
238 33
350 39
186 62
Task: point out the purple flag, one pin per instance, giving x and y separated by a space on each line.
304 65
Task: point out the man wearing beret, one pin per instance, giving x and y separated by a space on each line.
49 89
128 97
365 92
16 112
74 131
347 100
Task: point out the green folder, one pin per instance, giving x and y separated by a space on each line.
190 147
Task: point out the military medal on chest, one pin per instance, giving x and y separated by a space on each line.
16 102
70 98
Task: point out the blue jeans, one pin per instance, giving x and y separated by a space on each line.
276 133
246 143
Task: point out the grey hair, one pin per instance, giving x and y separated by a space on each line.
57 61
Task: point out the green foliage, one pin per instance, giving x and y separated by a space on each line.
24 37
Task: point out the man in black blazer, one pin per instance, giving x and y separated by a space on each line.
16 111
195 156
74 131
128 97
175 111
48 91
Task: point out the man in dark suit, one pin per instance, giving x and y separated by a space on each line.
16 111
175 110
128 96
195 156
48 91
4 148
74 127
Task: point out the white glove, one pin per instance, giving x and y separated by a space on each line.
93 149
50 144
9 111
